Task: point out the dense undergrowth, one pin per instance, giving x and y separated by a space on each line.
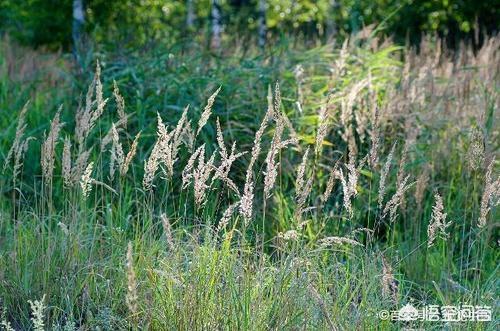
368 181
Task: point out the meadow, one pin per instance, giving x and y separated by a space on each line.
300 187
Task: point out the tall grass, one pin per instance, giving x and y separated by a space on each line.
365 180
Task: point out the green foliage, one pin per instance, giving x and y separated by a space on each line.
137 22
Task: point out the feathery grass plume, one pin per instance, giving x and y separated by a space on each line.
183 125
6 324
19 157
334 173
246 203
131 298
20 129
85 116
298 72
290 235
167 231
392 205
226 217
201 174
117 155
130 155
150 167
389 283
86 180
402 162
227 159
66 162
349 184
302 197
375 136
330 241
207 111
49 146
220 141
322 305
421 187
401 170
106 140
437 225
187 172
79 166
100 102
37 309
299 183
291 130
383 176
165 141
302 188
490 195
475 153
120 104
346 193
322 128
161 154
225 179
187 136
277 144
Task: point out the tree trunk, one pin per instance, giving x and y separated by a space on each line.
331 26
216 24
78 22
190 15
262 23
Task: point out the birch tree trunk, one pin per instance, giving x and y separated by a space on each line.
331 26
190 15
78 22
262 23
216 24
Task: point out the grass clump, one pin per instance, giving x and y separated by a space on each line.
364 181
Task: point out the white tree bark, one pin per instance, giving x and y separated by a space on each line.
78 22
331 26
190 15
216 24
262 23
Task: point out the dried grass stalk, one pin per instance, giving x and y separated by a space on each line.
392 205
226 217
66 162
207 111
167 231
120 105
86 180
421 187
437 225
271 172
131 298
334 173
383 176
19 157
79 167
117 156
330 241
246 203
322 129
86 117
49 147
150 167
20 129
390 287
490 195
130 155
